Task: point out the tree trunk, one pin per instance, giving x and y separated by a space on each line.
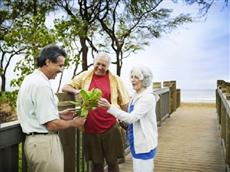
118 63
84 53
3 86
59 83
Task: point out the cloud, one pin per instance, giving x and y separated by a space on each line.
195 55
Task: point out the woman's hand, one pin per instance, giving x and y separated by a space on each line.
67 114
102 102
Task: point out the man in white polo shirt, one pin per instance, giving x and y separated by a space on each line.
39 116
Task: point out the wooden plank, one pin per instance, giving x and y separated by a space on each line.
9 159
188 141
11 135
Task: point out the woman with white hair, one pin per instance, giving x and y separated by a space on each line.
141 116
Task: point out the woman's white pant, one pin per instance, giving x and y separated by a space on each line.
140 165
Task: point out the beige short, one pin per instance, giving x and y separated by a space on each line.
44 153
106 146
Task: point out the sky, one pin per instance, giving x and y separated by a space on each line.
196 55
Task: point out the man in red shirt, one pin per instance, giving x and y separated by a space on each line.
101 133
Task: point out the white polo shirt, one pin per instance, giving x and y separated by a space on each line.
36 103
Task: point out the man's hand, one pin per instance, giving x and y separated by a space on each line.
67 114
79 122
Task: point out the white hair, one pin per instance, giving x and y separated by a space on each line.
100 55
144 74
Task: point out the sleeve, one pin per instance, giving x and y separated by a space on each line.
142 107
45 105
76 82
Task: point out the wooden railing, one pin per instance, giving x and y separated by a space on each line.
223 113
162 108
11 137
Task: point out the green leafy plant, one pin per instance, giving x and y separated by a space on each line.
9 97
88 101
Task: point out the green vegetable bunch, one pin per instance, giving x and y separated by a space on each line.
89 100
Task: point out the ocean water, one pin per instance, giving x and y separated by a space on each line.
198 95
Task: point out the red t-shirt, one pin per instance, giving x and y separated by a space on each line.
98 120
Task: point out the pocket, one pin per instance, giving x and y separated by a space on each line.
37 149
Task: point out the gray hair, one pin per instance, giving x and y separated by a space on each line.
144 74
51 52
99 55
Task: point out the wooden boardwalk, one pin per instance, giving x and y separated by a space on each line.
189 141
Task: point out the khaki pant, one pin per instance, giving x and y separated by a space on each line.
44 153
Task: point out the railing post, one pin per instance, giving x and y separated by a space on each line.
172 88
72 140
162 107
156 85
178 98
67 136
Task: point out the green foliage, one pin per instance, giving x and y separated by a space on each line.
67 32
22 69
25 32
9 97
33 34
20 157
121 26
89 100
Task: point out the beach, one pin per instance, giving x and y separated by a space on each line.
198 96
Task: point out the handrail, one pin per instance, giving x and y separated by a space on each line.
161 90
11 136
223 114
225 101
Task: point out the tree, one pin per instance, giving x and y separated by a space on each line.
122 22
22 32
7 54
9 45
34 35
125 22
204 5
125 26
81 25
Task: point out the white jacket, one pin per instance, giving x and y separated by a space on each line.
144 120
